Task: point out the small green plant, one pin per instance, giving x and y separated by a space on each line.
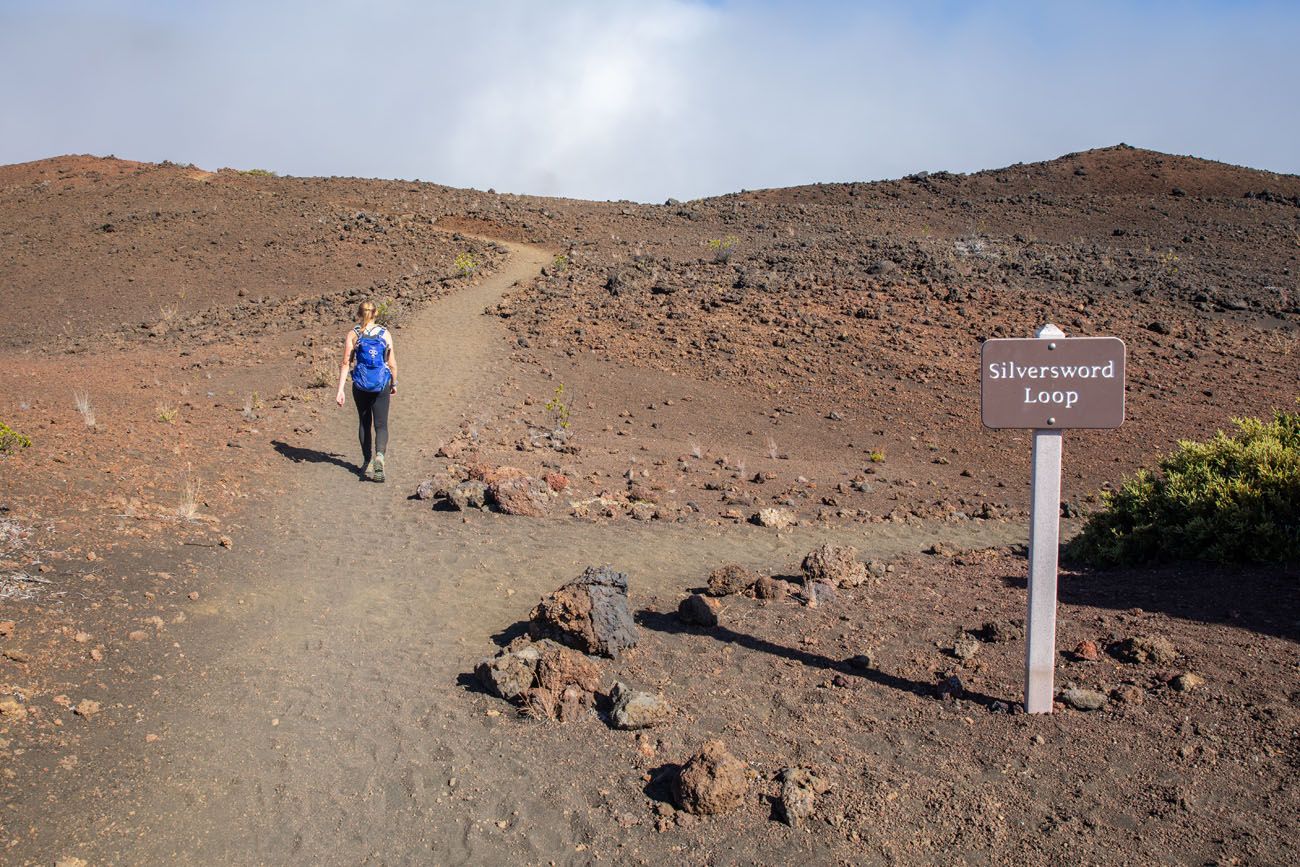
258 173
560 263
465 264
167 413
723 247
558 409
11 440
1168 261
1233 499
877 456
385 312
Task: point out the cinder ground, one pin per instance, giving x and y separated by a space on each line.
300 694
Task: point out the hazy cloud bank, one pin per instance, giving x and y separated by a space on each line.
648 99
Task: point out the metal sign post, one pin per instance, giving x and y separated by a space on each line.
1049 383
1044 542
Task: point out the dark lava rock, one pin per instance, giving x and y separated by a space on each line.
698 610
589 613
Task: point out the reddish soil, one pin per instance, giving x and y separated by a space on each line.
175 559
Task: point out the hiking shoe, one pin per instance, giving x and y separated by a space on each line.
368 472
377 467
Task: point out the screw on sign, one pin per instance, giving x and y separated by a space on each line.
1049 383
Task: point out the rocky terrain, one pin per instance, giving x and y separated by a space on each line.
679 387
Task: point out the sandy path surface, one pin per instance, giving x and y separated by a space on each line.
320 718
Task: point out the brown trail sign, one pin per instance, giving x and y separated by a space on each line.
1049 383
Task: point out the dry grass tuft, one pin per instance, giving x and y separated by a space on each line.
82 402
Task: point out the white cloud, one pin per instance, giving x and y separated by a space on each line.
643 99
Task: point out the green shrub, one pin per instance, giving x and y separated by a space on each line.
11 440
723 247
465 264
1233 499
558 409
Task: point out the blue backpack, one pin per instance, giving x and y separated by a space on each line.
369 371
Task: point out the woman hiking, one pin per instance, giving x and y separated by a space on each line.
368 356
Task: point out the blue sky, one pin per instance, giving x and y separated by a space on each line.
646 99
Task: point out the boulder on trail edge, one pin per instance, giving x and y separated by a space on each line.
774 518
512 672
566 684
767 587
712 781
468 495
521 495
589 613
731 578
836 565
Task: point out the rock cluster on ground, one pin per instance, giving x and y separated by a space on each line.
547 679
507 489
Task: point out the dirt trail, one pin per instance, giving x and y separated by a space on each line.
321 720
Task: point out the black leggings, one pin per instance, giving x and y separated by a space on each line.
372 409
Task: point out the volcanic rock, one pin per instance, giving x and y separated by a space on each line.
731 578
965 648
838 566
633 709
699 610
774 518
799 790
468 495
1186 682
511 673
589 613
767 587
712 781
820 593
1147 648
1087 651
521 495
1083 699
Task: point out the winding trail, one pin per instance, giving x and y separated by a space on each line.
323 722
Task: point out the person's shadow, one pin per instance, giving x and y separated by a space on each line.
299 455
